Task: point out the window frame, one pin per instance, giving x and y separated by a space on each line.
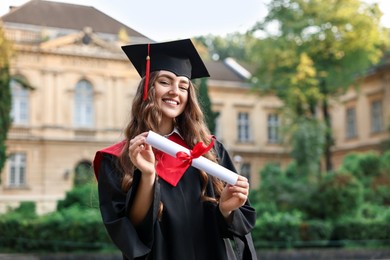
17 170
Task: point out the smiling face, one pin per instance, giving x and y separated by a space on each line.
171 93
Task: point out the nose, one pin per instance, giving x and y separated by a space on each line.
174 88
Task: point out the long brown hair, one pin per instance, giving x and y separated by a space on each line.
190 124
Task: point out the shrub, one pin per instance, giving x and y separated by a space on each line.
338 194
85 196
363 166
277 230
315 231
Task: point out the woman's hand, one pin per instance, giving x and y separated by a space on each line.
141 155
234 196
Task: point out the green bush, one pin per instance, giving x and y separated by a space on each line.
287 190
316 231
72 229
26 210
338 194
364 166
385 163
361 230
373 212
85 196
277 230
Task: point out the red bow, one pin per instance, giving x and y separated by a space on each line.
199 150
171 168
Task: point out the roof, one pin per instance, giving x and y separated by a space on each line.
219 70
66 16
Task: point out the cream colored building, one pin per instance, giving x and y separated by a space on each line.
84 85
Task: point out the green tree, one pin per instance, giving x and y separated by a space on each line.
6 52
5 95
233 45
341 38
205 103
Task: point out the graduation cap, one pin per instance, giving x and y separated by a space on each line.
179 57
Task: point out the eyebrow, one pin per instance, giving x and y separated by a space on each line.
182 80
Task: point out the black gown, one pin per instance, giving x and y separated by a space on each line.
188 228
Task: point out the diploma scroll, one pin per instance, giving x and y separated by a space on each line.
167 146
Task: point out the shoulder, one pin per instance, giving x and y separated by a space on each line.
219 148
113 151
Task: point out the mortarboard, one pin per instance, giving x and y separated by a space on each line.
179 57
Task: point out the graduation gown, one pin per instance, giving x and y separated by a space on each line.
189 228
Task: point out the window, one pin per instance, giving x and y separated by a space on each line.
20 104
83 112
17 170
246 171
351 131
273 128
376 117
243 127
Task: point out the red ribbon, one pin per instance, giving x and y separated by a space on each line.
199 150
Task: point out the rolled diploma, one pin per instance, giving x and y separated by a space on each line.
167 146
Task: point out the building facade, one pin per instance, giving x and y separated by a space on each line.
83 85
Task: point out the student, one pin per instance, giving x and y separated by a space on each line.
152 206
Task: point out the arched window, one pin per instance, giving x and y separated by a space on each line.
20 103
83 110
83 173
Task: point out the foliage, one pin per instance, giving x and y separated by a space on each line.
361 230
286 190
84 197
315 230
234 45
280 229
83 174
316 52
75 226
26 210
328 33
373 170
5 95
71 229
338 194
205 103
362 165
307 143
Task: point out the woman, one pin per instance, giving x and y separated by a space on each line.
152 206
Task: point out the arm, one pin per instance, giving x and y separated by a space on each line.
114 203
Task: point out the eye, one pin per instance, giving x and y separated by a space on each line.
164 81
184 87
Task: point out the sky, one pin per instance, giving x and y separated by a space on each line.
178 19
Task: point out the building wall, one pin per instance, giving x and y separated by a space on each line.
374 88
53 145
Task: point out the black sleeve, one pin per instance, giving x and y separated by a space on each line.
243 219
114 208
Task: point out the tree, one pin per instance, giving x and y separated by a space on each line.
205 103
342 39
233 45
5 94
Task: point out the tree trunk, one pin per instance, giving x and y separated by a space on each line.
328 136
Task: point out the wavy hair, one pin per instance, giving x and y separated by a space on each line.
190 124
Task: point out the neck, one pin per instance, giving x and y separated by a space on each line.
166 128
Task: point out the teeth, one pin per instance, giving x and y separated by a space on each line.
170 102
